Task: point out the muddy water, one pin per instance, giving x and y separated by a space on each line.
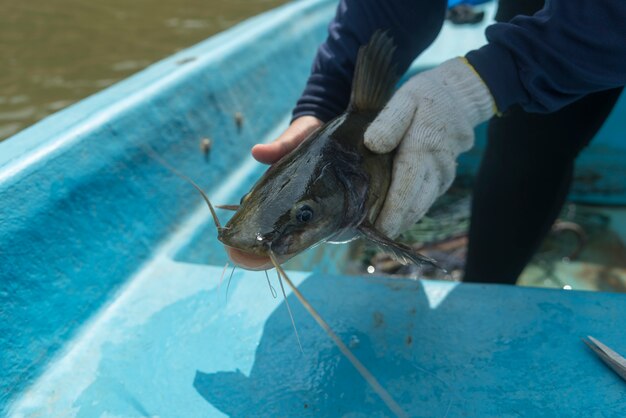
54 53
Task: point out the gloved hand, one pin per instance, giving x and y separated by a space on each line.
431 118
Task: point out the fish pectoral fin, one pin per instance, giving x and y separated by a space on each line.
228 207
402 252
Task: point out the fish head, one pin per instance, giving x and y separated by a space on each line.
287 212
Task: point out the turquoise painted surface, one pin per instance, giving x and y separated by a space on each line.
190 352
108 309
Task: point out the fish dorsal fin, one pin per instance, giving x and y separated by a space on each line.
374 74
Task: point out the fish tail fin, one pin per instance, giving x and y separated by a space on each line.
375 74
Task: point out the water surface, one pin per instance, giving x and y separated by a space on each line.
54 53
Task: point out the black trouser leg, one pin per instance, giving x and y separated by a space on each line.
525 175
523 181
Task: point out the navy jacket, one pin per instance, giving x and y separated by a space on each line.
542 62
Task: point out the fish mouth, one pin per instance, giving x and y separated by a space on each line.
254 255
253 261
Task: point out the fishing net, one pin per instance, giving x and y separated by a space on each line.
582 234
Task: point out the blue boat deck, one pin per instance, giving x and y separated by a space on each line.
114 301
172 344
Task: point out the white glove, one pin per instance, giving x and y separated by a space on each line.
432 119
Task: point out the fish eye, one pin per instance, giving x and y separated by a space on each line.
304 214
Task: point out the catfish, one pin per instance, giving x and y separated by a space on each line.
330 188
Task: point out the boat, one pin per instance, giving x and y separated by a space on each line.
112 300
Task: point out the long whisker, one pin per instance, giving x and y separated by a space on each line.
369 378
274 295
228 207
229 279
222 277
293 323
161 160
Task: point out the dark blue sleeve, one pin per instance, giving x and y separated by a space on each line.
413 24
563 52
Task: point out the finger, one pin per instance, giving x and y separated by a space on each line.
272 152
297 132
386 131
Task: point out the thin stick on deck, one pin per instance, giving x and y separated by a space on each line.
369 377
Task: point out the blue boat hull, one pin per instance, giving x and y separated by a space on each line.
111 300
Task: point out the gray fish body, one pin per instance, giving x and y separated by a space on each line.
331 187
331 173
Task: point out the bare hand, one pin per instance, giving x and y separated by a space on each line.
291 138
